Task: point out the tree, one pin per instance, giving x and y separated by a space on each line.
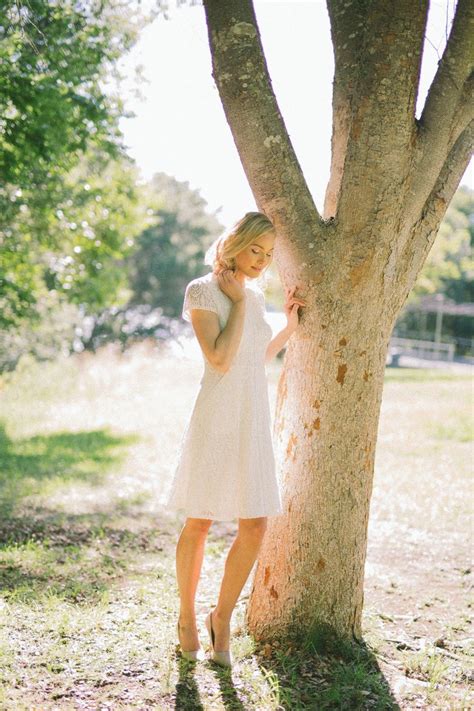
98 215
392 178
90 228
55 60
170 251
449 267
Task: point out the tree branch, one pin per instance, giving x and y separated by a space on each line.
448 109
347 39
445 91
426 228
260 135
377 48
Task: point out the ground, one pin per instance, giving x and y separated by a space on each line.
89 599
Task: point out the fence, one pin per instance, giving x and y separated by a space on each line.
421 349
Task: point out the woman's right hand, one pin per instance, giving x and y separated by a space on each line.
230 285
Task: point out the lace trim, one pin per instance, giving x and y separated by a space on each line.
198 296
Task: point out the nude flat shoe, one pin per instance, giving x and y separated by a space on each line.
223 658
193 655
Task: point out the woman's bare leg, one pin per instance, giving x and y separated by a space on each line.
189 557
240 559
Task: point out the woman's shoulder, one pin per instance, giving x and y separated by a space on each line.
201 282
206 285
199 293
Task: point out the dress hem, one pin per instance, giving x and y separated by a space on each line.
221 517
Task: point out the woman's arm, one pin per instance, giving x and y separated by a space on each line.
292 304
228 340
219 347
277 343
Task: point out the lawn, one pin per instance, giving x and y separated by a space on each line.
88 595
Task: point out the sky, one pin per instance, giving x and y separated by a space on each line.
180 128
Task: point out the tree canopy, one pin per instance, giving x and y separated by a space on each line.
170 250
449 267
55 58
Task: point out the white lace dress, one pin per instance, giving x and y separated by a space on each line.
226 464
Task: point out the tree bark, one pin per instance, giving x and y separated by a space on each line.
311 568
355 267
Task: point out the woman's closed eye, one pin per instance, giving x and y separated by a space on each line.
257 252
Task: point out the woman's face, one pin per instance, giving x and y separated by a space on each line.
257 256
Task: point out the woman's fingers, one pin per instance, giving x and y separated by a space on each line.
302 302
290 290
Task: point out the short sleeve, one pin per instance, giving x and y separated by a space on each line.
198 295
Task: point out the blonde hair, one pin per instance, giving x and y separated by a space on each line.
222 252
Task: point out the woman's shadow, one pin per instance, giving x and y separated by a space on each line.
188 695
325 675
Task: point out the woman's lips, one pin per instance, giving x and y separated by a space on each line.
256 269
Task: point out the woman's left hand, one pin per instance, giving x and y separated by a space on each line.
291 306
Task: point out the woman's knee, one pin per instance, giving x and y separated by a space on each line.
198 526
253 527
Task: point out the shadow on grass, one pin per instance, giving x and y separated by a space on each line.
78 558
68 557
229 692
327 672
29 465
189 695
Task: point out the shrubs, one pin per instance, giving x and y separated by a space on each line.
62 329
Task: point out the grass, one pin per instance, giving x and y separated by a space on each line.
88 592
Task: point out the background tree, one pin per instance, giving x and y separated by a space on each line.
392 177
76 270
448 273
449 267
99 212
170 251
55 59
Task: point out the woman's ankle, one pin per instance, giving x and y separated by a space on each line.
223 617
187 619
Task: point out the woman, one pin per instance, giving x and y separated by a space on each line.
226 466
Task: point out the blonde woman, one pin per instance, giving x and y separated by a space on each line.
226 466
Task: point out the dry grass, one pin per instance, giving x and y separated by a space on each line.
89 599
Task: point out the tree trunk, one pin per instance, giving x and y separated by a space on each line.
311 568
355 267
